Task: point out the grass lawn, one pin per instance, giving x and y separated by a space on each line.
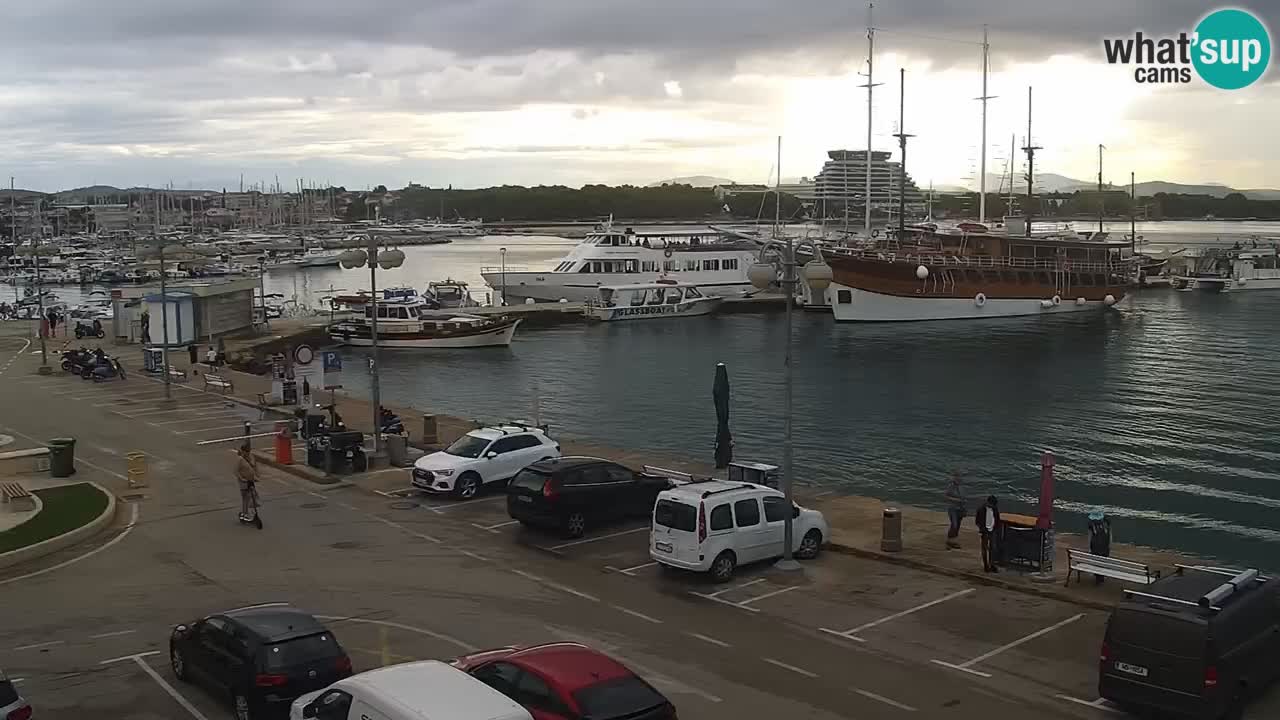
65 508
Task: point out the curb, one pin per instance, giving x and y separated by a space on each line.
300 471
977 578
71 537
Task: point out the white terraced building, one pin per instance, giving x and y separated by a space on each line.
844 179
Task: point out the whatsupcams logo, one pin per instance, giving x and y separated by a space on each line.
1229 49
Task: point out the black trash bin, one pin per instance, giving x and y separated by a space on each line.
62 457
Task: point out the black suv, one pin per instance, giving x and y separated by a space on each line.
259 658
1195 644
574 493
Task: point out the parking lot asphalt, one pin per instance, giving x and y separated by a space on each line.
401 576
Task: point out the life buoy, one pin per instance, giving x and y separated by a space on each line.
1057 300
667 252
980 299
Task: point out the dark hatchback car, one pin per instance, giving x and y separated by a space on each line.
259 658
572 494
1196 644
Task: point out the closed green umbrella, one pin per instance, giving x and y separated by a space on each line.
724 440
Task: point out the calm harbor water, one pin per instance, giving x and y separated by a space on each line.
1160 411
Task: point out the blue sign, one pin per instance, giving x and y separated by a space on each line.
332 361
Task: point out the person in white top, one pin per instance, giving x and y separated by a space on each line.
988 519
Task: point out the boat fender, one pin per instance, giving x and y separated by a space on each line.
1057 300
922 272
1046 304
1080 301
1242 281
1109 300
667 252
980 299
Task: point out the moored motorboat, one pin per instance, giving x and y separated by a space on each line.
1235 270
413 324
661 299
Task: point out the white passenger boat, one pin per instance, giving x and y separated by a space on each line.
1236 270
412 324
662 299
709 259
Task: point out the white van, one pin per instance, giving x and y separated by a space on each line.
714 526
427 690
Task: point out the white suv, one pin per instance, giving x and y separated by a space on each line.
714 526
480 457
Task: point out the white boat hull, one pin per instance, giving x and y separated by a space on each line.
1214 285
869 306
497 337
687 308
583 287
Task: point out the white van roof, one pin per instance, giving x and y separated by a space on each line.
694 491
431 690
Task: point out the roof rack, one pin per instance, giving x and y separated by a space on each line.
1237 580
1166 598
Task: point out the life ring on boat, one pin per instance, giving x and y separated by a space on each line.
980 299
667 252
1057 300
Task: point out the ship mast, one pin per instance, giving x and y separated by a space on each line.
1030 150
871 56
902 136
982 171
1102 203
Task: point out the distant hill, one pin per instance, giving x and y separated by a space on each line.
1049 182
698 181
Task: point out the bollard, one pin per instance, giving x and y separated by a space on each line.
284 444
891 535
137 469
430 431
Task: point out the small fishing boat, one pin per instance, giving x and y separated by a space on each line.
661 299
412 323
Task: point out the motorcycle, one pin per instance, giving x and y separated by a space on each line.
390 423
84 329
75 361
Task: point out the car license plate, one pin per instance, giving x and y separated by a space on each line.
1131 669
663 547
524 498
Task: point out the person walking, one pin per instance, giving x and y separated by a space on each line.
988 520
211 358
954 495
247 476
1099 538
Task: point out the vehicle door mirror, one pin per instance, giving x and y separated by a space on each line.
795 511
309 710
491 455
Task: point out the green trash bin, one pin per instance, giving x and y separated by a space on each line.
62 457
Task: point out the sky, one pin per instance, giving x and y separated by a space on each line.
474 93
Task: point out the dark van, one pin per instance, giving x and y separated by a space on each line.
1196 644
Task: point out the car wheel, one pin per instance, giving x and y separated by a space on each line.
722 567
810 545
575 524
240 704
468 486
179 663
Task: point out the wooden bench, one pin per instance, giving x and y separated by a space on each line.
176 374
217 382
14 495
1079 562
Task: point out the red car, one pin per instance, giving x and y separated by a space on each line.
568 681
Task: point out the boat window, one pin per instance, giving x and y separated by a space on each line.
692 293
711 264
586 268
382 311
670 266
648 266
691 264
844 297
654 296
673 295
413 312
638 297
729 264
631 266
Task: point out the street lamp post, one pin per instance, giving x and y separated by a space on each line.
385 259
762 275
35 251
164 308
502 252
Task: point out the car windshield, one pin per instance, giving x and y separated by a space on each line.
675 515
621 697
468 446
300 651
529 480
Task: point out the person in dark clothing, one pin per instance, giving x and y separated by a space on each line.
1099 538
988 519
954 495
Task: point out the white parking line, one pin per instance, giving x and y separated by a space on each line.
640 615
34 646
548 583
584 541
494 528
117 633
460 503
718 593
123 534
236 437
1099 704
968 665
225 416
768 595
631 570
223 427
850 634
177 696
792 668
394 524
708 639
883 699
400 626
196 413
167 411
